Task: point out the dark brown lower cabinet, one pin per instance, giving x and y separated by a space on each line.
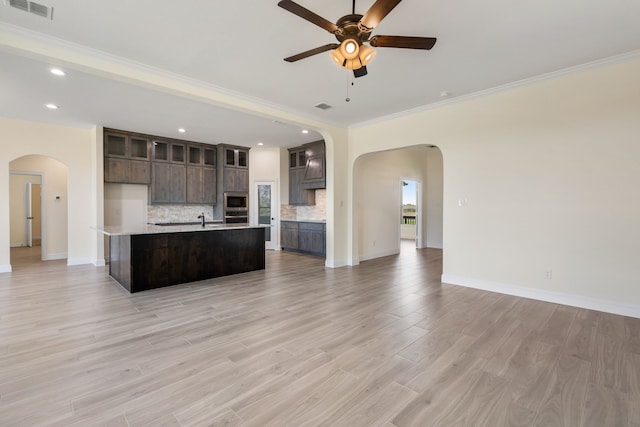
311 238
289 234
302 236
147 261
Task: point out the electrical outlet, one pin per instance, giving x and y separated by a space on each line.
548 274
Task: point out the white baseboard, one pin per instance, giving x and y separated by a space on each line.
79 261
99 262
335 263
379 254
5 268
607 306
50 257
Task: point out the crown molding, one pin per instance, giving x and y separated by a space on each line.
616 59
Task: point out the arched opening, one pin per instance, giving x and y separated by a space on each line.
378 179
51 175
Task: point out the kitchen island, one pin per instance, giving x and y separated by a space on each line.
153 256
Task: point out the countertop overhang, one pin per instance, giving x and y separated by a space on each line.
159 229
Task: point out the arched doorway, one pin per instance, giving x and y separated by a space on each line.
52 176
378 198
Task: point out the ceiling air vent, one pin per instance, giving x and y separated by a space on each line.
323 106
32 7
20 4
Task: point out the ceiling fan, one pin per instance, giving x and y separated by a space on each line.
353 31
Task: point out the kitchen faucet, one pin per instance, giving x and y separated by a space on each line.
201 217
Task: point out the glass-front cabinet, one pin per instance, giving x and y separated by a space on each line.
126 158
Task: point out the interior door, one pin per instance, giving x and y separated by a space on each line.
29 218
36 214
266 211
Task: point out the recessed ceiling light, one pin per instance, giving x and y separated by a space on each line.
57 72
52 106
305 131
182 130
261 143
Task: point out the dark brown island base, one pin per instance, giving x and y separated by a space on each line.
156 257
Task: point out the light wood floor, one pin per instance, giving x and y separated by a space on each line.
380 344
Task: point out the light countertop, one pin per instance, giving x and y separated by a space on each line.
319 221
158 229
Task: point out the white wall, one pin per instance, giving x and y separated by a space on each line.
75 148
54 183
284 176
125 205
264 165
378 196
550 175
434 191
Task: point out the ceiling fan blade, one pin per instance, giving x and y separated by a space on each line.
312 52
303 13
376 13
425 43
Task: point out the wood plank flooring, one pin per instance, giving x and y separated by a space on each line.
380 344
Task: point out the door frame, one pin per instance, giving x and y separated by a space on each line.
419 228
43 209
275 213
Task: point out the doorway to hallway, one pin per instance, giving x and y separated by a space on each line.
410 215
266 212
25 213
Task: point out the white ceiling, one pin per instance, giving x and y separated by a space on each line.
238 46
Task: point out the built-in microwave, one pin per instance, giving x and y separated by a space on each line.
236 202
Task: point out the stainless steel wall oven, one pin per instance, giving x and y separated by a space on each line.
236 208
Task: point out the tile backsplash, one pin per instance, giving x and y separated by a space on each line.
178 213
317 212
189 213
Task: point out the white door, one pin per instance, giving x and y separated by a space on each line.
29 215
266 212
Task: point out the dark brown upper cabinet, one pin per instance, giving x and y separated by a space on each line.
169 183
201 174
126 158
173 152
236 157
176 171
297 158
306 172
201 155
235 169
314 169
191 177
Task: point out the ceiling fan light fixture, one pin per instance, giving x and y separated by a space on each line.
349 48
366 54
337 57
353 64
